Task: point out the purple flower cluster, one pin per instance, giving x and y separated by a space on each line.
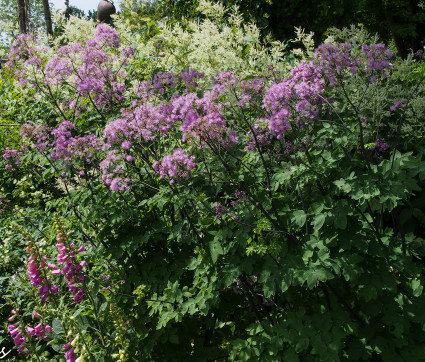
377 57
89 68
112 171
381 146
339 57
262 135
68 147
3 203
240 198
163 81
72 270
24 50
18 338
35 265
201 117
190 79
396 105
139 123
220 210
105 33
60 67
38 134
253 88
63 139
12 159
39 331
176 165
336 58
300 93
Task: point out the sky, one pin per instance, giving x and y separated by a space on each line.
85 5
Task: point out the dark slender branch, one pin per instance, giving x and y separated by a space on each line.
345 304
400 228
326 293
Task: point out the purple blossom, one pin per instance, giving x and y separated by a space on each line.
339 58
397 104
162 81
12 158
107 34
141 123
201 117
381 146
335 59
176 165
301 91
72 270
190 79
220 210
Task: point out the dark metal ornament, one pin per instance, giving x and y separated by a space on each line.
104 11
66 11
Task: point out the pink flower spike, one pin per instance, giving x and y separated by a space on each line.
52 266
82 248
57 272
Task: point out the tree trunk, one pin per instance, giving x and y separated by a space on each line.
398 41
414 10
22 16
47 17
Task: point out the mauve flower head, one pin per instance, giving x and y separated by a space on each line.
220 210
381 146
108 35
190 79
38 134
335 58
176 165
301 92
12 158
163 81
397 104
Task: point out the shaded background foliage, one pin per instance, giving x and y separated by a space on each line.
402 22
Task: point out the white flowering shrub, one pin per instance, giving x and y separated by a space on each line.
219 42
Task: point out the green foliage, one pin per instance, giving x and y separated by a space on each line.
307 248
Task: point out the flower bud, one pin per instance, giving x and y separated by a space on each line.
75 341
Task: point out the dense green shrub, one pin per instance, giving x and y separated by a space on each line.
159 215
